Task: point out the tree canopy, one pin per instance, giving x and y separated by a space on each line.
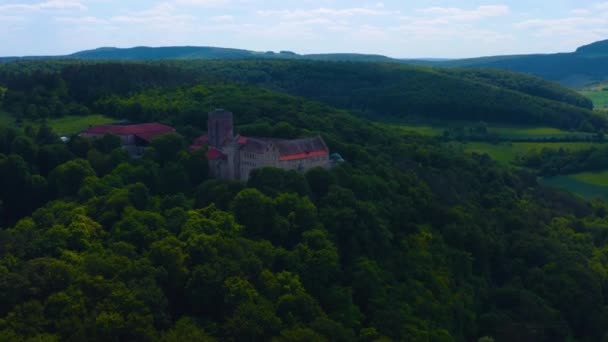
408 239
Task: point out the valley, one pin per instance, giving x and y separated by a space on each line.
508 144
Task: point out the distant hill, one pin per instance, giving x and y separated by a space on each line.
206 52
154 53
142 53
598 49
588 64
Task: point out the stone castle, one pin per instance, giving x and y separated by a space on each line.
234 157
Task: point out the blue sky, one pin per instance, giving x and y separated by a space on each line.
398 28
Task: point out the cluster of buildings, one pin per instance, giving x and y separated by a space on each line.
231 156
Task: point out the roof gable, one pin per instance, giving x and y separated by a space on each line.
301 146
147 131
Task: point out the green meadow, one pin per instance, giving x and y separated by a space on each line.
595 178
73 124
68 125
522 132
427 130
586 184
507 152
598 94
502 131
574 184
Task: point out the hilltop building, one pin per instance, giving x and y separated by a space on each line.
134 138
234 157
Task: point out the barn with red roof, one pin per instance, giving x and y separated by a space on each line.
134 138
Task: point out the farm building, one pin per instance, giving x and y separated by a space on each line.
134 137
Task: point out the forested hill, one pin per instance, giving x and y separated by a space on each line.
594 49
408 240
379 91
398 91
144 53
586 65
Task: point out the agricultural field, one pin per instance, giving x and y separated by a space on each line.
68 125
507 152
598 93
501 131
587 185
73 124
426 130
522 132
595 178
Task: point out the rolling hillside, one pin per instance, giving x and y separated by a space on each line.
144 53
586 65
392 91
380 91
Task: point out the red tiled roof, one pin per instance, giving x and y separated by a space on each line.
147 131
301 148
288 149
214 154
242 140
199 143
304 155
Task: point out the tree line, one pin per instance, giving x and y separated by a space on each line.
373 90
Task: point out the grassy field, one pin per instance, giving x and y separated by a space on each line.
63 126
594 178
574 184
73 124
507 132
427 130
598 93
515 132
507 152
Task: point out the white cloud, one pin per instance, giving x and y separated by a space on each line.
580 12
582 26
10 18
81 20
223 19
322 12
46 5
451 23
460 14
201 3
162 16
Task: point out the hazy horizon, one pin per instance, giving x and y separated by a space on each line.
418 29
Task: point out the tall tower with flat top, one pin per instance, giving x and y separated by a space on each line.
220 127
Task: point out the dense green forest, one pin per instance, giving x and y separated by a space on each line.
376 91
409 239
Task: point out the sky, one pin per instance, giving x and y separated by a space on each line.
397 28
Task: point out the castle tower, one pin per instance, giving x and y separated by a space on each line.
220 128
